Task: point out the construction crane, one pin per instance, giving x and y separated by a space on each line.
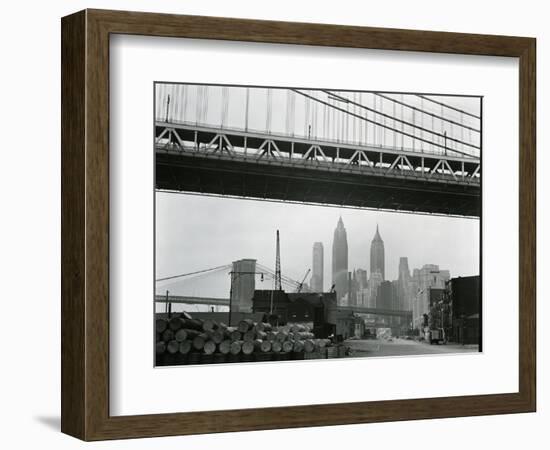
301 284
278 284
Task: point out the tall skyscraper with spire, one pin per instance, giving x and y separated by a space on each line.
340 260
377 263
317 281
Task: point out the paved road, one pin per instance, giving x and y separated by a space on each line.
400 347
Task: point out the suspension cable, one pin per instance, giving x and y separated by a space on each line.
393 129
211 269
388 116
445 105
428 113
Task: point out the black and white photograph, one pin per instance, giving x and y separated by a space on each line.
315 223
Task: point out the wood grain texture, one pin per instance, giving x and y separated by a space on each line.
73 226
85 224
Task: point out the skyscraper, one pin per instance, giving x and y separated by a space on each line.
377 255
340 260
317 281
361 276
374 284
404 285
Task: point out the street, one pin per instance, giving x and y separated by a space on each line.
402 347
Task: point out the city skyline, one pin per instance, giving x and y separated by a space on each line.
216 224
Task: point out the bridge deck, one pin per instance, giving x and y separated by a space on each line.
189 300
213 301
248 164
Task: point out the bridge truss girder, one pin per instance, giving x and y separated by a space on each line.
210 161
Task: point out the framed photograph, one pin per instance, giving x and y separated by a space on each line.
273 225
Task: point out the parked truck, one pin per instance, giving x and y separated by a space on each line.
435 336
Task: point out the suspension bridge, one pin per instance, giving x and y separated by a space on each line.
404 152
263 272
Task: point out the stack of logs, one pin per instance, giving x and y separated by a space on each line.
183 340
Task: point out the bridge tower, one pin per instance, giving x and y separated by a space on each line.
243 284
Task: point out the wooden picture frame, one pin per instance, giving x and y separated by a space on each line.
85 224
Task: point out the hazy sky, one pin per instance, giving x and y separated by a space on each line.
195 232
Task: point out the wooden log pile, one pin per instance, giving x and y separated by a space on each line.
184 340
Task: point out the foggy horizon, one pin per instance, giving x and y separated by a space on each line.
220 230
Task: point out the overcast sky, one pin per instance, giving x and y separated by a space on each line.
195 232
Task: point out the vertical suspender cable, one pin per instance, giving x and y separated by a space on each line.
367 122
332 118
414 130
360 124
292 112
442 140
306 115
313 124
433 129
290 105
198 104
177 97
224 106
346 137
179 113
402 124
206 99
325 122
374 129
185 95
421 123
268 112
287 112
340 126
383 130
247 102
316 121
462 131
394 144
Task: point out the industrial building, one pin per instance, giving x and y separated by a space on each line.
464 297
319 310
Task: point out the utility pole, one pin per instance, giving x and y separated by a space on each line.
230 298
167 309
